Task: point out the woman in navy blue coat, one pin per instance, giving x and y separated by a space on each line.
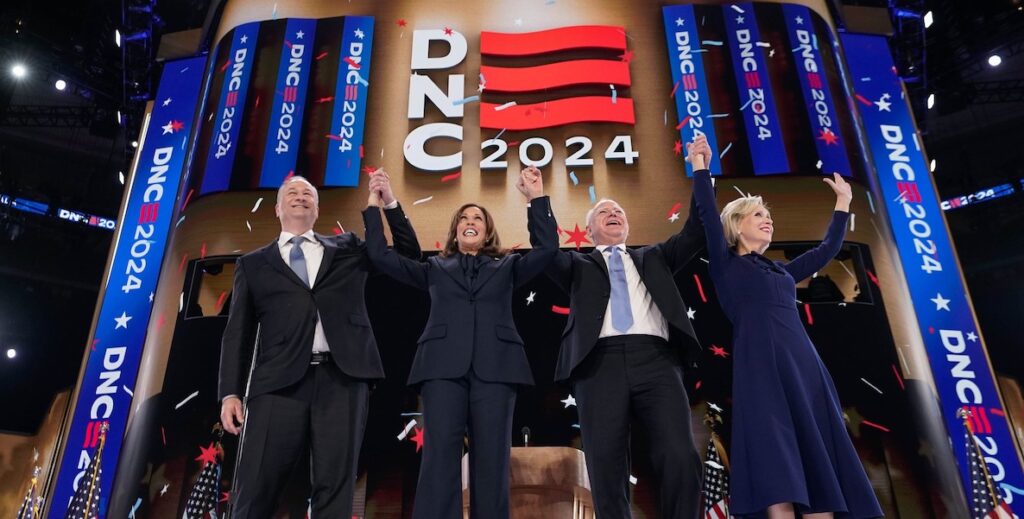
790 450
470 358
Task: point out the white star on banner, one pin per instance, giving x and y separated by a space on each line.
122 322
941 303
799 20
167 101
679 22
359 34
739 19
168 128
569 401
244 38
883 103
971 336
299 35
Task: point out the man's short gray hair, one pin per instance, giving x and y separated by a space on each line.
297 178
590 213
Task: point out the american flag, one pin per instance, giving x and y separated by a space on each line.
32 503
204 497
985 503
86 503
715 488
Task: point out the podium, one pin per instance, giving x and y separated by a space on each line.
546 483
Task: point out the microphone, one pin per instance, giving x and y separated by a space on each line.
526 436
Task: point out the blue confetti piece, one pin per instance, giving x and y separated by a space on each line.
572 176
593 195
135 507
465 100
615 95
814 41
716 43
412 414
502 132
745 105
362 81
182 219
726 150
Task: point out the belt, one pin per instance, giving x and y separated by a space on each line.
320 357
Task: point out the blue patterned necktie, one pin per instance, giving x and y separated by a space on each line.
622 312
297 260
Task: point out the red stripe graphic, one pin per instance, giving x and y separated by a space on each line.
351 93
909 192
689 82
556 75
814 80
290 94
590 109
231 99
553 40
753 80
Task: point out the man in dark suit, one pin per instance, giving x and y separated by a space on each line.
623 351
309 385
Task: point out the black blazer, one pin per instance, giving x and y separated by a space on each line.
585 278
269 294
469 326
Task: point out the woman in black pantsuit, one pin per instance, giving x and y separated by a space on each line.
470 358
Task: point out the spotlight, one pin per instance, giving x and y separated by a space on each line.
60 85
931 101
931 166
11 353
994 60
928 19
19 71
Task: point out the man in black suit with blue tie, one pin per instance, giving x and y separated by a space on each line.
623 351
308 391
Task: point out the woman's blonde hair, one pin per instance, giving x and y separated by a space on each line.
734 212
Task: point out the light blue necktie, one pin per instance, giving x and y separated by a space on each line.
297 260
622 313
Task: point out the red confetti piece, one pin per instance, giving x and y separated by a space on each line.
187 198
719 351
290 174
677 148
325 99
577 236
202 251
225 65
807 310
560 310
94 343
257 101
698 384
447 31
288 44
899 379
453 176
931 329
360 151
401 22
321 56
876 426
220 300
333 137
437 245
225 497
351 62
369 170
163 435
160 322
700 288
417 438
873 278
682 123
513 144
559 229
181 266
996 411
675 209
337 230
863 101
674 88
627 56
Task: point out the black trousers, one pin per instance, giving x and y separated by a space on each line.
323 417
450 408
636 377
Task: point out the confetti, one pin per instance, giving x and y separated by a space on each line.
632 480
675 208
674 88
220 301
202 251
180 220
726 150
355 65
664 117
453 176
899 379
872 386
700 288
745 105
763 44
876 426
410 414
362 81
593 194
569 401
181 265
853 218
560 310
187 198
465 100
135 507
683 123
738 190
129 391
615 94
818 165
340 226
862 100
321 56
714 43
717 116
865 79
737 8
509 104
502 132
530 298
405 432
807 311
185 401
423 200
572 176
248 225
871 201
874 279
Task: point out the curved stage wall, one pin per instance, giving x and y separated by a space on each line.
452 103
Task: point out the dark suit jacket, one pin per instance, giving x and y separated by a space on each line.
585 278
269 294
469 326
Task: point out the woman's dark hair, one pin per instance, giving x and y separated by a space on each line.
492 244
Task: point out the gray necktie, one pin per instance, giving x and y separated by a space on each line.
297 260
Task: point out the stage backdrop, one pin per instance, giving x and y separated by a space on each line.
453 103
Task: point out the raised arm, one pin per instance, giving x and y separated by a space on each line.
402 234
682 246
698 154
815 259
541 224
409 271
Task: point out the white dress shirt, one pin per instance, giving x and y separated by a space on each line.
314 252
647 318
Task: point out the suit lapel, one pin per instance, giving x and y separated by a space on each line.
451 266
598 257
487 269
272 254
325 263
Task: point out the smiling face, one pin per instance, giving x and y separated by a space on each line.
607 223
756 229
298 205
471 229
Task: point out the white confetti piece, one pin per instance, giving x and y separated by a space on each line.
872 386
726 150
502 132
717 116
593 195
738 190
248 225
423 200
871 201
411 414
129 391
763 44
745 105
470 99
865 79
180 220
138 502
818 165
665 117
405 432
257 205
714 464
737 8
847 269
632 479
181 301
185 401
852 220
509 104
714 43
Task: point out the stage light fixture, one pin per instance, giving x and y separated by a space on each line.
19 71
931 166
929 19
11 353
931 101
60 84
994 60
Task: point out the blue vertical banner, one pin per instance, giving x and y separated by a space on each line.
348 118
814 84
960 366
105 390
282 148
689 81
237 71
760 117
